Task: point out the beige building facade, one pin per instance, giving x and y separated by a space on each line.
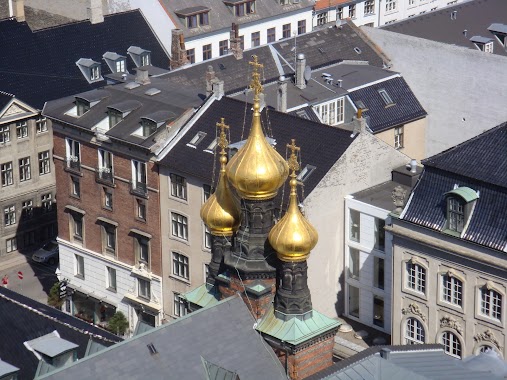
409 138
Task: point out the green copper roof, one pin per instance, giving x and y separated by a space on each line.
464 192
296 330
203 296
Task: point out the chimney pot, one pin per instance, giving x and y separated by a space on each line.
413 166
300 71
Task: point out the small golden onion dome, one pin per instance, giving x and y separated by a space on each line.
257 171
293 237
221 212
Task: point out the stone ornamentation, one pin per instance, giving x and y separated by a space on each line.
452 323
398 195
487 336
415 310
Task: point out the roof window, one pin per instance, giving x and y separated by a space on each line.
305 173
90 69
194 16
460 204
140 56
385 97
116 63
196 139
241 7
211 147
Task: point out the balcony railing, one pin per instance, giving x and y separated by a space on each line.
73 164
104 176
139 188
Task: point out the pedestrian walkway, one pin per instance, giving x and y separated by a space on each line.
12 260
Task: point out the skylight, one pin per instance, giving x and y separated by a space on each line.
385 96
196 139
211 146
305 173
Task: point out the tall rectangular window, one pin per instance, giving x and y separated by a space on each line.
141 209
271 35
301 26
416 277
44 164
73 150
491 303
353 301
256 39
6 170
322 18
208 238
111 278
223 47
41 125
379 234
22 129
398 137
80 269
75 187
46 201
178 186
355 225
139 176
352 11
286 31
27 209
455 214
144 289
191 55
378 272
179 305
11 244
354 263
109 238
369 7
206 52
77 226
24 169
206 192
378 311
108 198
180 265
5 134
390 5
339 13
142 249
10 215
452 290
179 226
105 166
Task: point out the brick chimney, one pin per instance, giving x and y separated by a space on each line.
95 11
235 42
178 51
17 9
281 95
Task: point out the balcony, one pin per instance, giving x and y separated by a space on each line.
73 165
104 176
139 188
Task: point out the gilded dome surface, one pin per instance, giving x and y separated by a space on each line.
221 212
257 171
293 237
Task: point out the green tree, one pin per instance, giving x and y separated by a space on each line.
54 296
118 323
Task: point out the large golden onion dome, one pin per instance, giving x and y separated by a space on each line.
257 171
293 237
221 212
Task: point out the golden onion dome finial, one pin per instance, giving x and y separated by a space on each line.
293 237
221 212
257 171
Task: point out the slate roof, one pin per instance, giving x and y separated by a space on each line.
46 59
5 99
473 16
405 107
221 16
420 362
161 107
322 150
23 319
221 335
321 48
479 163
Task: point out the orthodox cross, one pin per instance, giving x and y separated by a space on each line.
222 138
255 83
293 160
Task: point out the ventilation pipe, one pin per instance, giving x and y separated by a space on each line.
300 71
142 76
413 166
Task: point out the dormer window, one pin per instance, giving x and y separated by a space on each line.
114 117
82 106
484 44
460 204
116 62
140 56
90 69
149 127
194 16
305 173
241 7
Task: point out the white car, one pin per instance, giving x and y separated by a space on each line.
47 254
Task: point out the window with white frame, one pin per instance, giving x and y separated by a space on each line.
355 225
416 277
398 137
46 201
488 47
120 66
451 343
143 288
452 289
73 150
11 244
411 2
322 18
354 263
105 171
139 176
22 129
44 164
414 332
10 215
180 265
179 305
80 269
286 30
385 97
223 49
339 13
352 11
6 170
41 125
95 73
145 59
24 169
369 7
208 238
491 303
332 112
391 5
111 278
179 227
5 134
27 209
178 186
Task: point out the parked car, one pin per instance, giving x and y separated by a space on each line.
47 254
